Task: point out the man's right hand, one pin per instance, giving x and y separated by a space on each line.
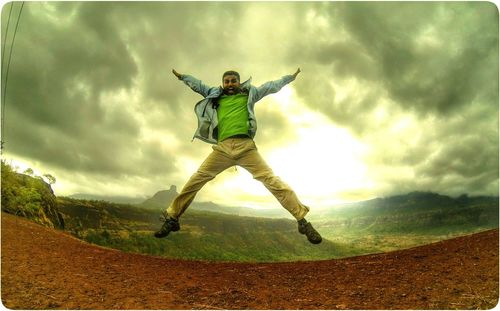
178 75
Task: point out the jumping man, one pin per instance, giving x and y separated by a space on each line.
227 120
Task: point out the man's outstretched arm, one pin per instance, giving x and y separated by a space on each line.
195 84
276 85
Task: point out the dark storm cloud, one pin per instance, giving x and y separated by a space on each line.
68 58
90 79
177 35
348 59
428 60
429 57
62 69
91 88
469 154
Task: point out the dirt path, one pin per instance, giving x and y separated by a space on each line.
47 269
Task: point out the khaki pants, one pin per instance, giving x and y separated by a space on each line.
241 152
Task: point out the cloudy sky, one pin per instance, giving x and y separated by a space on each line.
392 98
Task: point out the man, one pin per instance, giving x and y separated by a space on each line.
226 119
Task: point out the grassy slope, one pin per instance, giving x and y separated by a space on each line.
371 226
409 220
368 227
203 235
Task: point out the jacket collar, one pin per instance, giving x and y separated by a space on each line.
246 85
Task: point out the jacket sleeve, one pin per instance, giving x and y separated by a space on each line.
196 85
273 86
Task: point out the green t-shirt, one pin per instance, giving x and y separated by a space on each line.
233 115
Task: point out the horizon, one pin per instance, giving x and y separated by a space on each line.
138 199
391 98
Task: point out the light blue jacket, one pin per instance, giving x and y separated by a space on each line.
206 111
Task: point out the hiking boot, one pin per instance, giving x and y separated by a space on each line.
306 228
170 224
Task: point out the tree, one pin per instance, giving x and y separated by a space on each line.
51 179
29 171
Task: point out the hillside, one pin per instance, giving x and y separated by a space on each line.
203 235
161 199
47 269
374 226
416 210
417 217
30 197
361 228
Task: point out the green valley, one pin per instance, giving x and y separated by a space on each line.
203 235
215 233
404 221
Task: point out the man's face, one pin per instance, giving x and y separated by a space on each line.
231 84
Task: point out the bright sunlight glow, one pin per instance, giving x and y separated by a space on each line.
320 163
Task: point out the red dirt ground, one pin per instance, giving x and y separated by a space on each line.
47 269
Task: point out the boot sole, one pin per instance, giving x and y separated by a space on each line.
315 241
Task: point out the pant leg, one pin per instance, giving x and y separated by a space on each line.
214 164
252 161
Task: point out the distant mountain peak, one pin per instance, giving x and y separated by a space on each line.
162 197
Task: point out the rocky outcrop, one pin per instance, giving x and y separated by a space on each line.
161 199
30 197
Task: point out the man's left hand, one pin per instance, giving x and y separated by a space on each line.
296 73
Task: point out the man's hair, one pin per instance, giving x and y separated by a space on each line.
231 73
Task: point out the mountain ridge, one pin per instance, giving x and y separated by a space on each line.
377 225
162 198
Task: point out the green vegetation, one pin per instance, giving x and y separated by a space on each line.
409 220
255 247
362 228
353 229
203 235
29 196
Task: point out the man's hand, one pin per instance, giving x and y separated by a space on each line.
296 73
178 75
